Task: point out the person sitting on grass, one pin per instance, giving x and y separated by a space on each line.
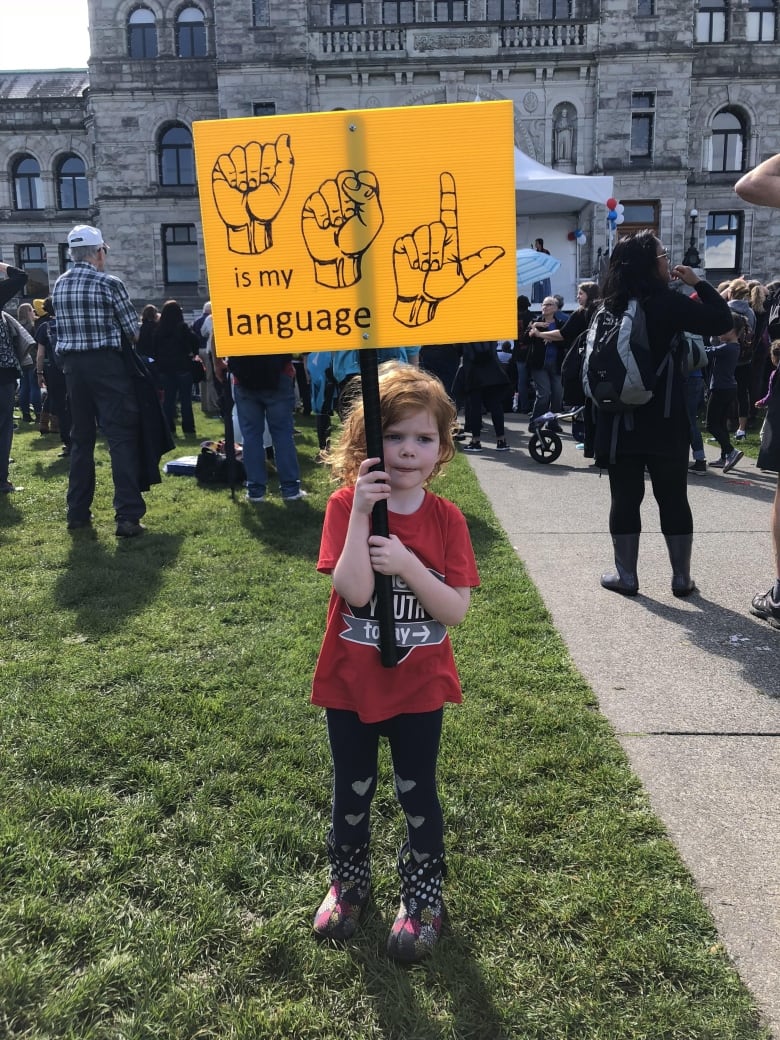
431 561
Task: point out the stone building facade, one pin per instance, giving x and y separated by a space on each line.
673 100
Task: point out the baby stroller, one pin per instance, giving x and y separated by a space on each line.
546 445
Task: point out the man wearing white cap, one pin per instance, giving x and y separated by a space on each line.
94 312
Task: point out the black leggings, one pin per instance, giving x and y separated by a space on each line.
669 477
414 746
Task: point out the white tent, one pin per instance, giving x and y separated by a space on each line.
543 190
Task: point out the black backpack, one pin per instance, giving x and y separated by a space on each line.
618 372
258 372
52 358
213 467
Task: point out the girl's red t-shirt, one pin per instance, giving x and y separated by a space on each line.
349 672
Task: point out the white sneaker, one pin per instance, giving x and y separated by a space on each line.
740 435
255 499
297 496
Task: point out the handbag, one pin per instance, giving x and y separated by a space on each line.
197 370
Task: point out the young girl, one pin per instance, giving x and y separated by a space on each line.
430 558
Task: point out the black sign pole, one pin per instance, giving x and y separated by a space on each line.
383 585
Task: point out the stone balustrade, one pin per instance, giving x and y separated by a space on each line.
405 41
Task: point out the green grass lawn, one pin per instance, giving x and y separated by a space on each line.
165 793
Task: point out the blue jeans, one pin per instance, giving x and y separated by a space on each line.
177 384
549 390
278 407
523 388
694 390
29 392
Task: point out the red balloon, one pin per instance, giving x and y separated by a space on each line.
612 203
571 236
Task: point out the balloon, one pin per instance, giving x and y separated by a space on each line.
612 203
612 216
579 233
582 239
619 208
620 218
571 236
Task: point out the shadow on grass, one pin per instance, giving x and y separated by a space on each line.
450 974
10 516
103 587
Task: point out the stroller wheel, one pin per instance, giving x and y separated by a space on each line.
545 446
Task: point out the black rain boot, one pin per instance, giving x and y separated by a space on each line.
680 547
350 884
624 578
417 924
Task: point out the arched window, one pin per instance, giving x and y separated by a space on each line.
72 190
141 34
28 193
728 143
176 157
190 33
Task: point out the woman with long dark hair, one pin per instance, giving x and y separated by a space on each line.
652 437
173 346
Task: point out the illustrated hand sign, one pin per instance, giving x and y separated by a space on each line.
340 221
250 185
428 264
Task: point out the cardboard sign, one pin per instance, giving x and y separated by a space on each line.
339 230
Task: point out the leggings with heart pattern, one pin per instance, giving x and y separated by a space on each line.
414 747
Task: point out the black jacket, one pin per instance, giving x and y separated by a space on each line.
155 438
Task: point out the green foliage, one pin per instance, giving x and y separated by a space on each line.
165 793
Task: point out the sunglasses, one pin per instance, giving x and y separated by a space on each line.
664 254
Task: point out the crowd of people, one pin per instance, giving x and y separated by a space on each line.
82 359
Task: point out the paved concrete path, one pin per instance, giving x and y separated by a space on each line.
691 687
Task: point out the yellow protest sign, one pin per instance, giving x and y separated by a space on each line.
339 230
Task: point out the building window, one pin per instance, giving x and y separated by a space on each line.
28 192
65 258
260 16
176 157
722 239
31 257
180 253
638 215
503 10
141 34
555 9
346 12
728 143
711 21
761 21
190 33
645 8
397 12
450 10
72 190
642 125
263 108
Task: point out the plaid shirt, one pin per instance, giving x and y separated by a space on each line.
93 310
